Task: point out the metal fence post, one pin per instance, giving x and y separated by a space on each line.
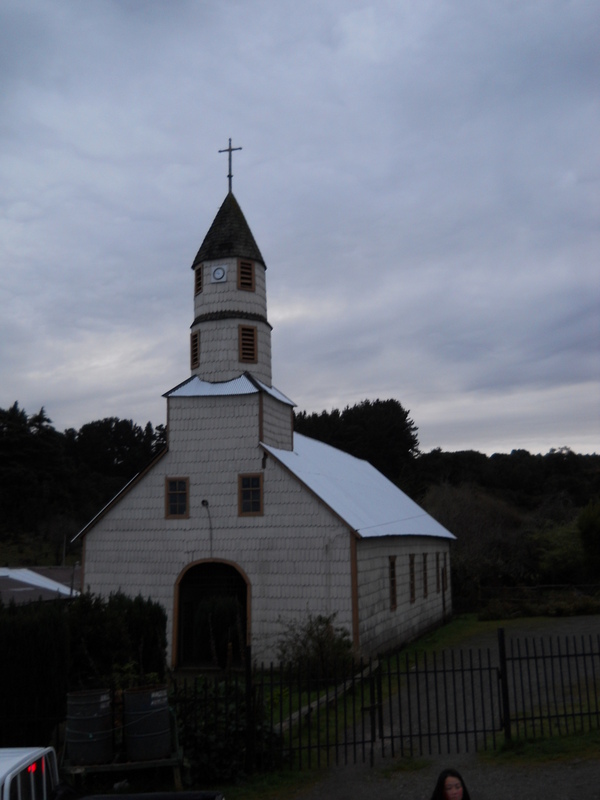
503 676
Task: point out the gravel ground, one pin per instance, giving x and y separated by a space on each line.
571 780
574 779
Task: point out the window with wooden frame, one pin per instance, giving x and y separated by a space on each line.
177 498
444 575
437 573
250 495
195 350
248 344
412 578
246 275
198 279
393 591
425 586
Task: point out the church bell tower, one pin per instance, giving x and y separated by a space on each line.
230 333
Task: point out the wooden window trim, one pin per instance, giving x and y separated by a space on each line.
393 583
195 350
198 279
412 578
444 575
168 492
425 581
246 280
438 584
242 489
248 344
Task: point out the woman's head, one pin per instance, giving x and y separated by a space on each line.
450 786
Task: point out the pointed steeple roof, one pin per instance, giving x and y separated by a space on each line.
229 236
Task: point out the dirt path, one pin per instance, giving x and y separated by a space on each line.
575 779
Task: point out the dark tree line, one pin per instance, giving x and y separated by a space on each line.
382 433
378 431
51 483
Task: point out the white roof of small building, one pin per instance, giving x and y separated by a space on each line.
24 585
194 387
358 493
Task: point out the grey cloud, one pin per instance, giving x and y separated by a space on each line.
422 180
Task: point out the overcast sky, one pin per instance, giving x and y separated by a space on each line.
422 178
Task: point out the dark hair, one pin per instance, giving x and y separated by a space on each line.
438 792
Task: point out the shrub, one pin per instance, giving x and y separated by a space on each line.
562 559
557 603
316 647
113 637
222 736
58 646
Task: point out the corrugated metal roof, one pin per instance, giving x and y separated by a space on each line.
194 387
275 393
26 585
357 492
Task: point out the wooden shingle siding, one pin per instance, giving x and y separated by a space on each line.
278 423
409 619
295 555
218 336
227 295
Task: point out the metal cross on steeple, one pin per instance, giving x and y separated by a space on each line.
229 150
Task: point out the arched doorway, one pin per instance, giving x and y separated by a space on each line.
212 616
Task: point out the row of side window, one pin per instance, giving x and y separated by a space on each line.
247 346
250 496
245 276
440 578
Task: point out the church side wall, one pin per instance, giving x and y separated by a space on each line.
278 424
295 556
381 627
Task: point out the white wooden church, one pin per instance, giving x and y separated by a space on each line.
241 526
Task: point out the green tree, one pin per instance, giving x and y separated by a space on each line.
116 448
492 547
379 431
35 473
588 524
561 555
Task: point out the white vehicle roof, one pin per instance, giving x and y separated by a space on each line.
13 758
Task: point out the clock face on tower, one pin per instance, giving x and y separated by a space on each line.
218 275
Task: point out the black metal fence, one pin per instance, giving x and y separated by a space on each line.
553 686
407 704
441 703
